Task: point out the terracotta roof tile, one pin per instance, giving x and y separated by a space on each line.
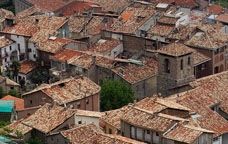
199 58
183 134
129 24
19 126
160 30
27 66
48 118
128 71
215 9
54 45
77 7
103 46
66 55
209 37
112 5
142 118
90 134
50 5
175 49
222 18
69 90
113 117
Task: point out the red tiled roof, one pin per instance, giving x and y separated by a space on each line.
76 7
18 102
27 66
50 5
65 55
222 18
215 9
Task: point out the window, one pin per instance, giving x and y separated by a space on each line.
181 65
30 101
19 47
5 59
110 131
78 105
79 122
189 60
157 134
11 88
10 47
167 66
148 131
29 50
87 101
34 55
216 51
216 70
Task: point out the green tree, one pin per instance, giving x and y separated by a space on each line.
34 140
115 94
15 67
40 76
13 92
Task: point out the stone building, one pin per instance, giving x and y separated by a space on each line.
175 69
78 92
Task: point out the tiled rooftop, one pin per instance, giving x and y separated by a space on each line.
5 42
83 61
28 12
18 126
112 5
215 9
88 113
182 33
128 71
104 62
103 46
185 134
66 55
48 118
168 20
222 18
147 120
27 67
77 23
54 45
94 26
69 90
90 134
77 7
50 5
132 18
22 28
19 103
209 37
160 30
175 49
200 100
199 58
113 117
5 14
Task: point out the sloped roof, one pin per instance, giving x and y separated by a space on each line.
175 49
48 118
